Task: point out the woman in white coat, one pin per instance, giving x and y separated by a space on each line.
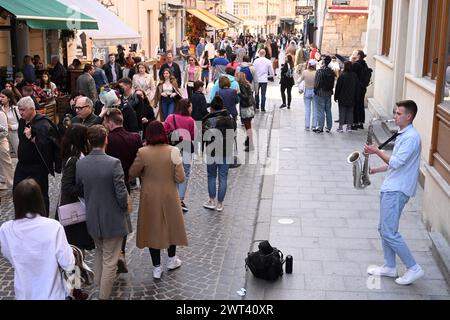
144 81
36 247
6 167
9 105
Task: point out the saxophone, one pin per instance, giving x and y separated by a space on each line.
361 171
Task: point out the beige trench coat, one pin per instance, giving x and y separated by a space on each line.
160 222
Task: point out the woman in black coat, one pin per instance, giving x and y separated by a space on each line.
346 93
287 81
359 67
74 146
198 101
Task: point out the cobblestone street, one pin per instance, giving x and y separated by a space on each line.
213 263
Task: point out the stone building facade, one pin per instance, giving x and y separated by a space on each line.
345 27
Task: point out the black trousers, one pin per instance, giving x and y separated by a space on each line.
283 88
156 254
190 91
359 112
38 173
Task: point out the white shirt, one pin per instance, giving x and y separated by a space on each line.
113 71
35 247
403 172
263 67
211 50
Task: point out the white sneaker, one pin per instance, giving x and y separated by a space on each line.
209 205
157 272
173 263
382 271
410 276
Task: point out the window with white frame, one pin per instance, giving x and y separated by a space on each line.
236 9
245 9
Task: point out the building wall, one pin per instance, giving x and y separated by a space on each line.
142 16
398 77
436 203
255 21
344 33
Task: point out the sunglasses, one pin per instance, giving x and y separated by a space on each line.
80 108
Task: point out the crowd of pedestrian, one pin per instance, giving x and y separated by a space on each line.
125 126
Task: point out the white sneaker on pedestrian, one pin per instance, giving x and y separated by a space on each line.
209 205
410 276
220 207
382 271
173 263
157 272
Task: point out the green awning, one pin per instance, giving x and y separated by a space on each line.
48 14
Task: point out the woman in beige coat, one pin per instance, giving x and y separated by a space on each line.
160 222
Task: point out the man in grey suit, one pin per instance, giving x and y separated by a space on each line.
86 83
105 193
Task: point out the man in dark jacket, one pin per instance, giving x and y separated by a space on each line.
323 88
112 69
122 145
132 106
58 73
198 100
218 134
84 107
28 70
39 150
172 66
86 83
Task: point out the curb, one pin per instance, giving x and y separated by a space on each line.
262 220
441 254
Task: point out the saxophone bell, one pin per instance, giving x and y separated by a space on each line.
355 159
361 170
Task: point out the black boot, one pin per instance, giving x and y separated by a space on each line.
247 141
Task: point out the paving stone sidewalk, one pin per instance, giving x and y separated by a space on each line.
333 236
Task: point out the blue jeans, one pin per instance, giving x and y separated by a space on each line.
262 91
391 206
212 178
324 108
310 101
167 106
182 187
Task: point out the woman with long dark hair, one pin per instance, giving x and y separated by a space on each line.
247 108
167 95
48 87
346 95
148 114
74 147
287 81
160 221
35 246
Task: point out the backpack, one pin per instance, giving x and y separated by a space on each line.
327 79
248 73
266 263
366 75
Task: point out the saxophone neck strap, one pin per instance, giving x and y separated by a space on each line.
384 144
